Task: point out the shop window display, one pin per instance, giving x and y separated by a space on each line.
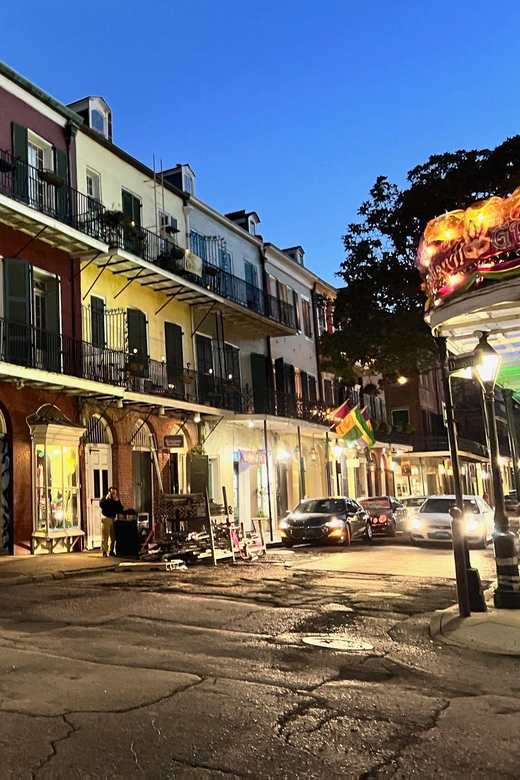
57 491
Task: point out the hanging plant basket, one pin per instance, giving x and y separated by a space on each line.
370 389
51 177
230 389
5 166
186 379
212 270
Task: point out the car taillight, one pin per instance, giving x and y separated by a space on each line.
383 518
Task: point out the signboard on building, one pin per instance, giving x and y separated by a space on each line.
174 442
406 468
193 264
459 362
253 457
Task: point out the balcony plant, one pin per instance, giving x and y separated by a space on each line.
113 222
5 166
51 177
385 428
186 379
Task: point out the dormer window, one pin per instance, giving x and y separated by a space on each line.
252 227
97 121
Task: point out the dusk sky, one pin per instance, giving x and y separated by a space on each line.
290 108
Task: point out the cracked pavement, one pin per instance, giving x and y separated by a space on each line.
203 674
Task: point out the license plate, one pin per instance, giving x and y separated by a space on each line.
443 535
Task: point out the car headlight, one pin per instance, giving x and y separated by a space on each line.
334 522
416 523
472 525
285 524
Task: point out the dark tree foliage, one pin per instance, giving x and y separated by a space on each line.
380 311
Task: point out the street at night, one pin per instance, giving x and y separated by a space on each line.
204 674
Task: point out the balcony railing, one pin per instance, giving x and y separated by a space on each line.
46 192
216 277
282 404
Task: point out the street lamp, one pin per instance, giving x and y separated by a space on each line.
507 594
337 451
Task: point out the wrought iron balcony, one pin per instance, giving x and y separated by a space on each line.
217 278
282 404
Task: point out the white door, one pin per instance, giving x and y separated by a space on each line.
98 472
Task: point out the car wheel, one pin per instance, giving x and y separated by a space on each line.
369 534
348 536
392 530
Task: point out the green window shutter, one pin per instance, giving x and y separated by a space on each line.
312 388
174 352
204 354
17 291
62 194
260 384
97 321
131 207
137 336
51 339
20 153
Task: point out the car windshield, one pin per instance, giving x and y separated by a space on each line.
414 501
321 505
376 503
443 505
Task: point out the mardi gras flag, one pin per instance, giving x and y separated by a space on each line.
339 415
349 429
368 438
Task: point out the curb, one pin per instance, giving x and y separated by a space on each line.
444 620
25 579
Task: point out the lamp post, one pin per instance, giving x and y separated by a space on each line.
337 451
507 593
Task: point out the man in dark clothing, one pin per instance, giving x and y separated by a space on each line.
111 506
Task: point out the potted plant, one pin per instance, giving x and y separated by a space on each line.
385 428
211 270
5 166
186 379
113 222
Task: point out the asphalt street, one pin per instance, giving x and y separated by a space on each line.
205 674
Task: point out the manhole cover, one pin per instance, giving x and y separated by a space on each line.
337 643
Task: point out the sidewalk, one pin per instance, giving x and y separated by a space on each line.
20 569
496 631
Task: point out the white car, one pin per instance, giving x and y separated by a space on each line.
432 522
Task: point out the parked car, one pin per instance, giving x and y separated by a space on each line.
325 520
387 515
512 505
433 521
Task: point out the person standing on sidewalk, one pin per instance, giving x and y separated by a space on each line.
110 506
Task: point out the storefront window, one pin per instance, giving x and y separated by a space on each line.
57 491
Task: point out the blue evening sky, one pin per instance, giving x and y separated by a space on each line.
290 108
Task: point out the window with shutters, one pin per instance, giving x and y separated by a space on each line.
306 314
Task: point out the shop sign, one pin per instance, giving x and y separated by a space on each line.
406 468
353 462
174 442
253 457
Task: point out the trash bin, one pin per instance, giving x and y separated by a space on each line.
127 536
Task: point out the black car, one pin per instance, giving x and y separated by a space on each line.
325 520
387 515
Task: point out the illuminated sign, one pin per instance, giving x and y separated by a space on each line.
462 249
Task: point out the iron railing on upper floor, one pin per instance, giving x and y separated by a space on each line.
48 193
